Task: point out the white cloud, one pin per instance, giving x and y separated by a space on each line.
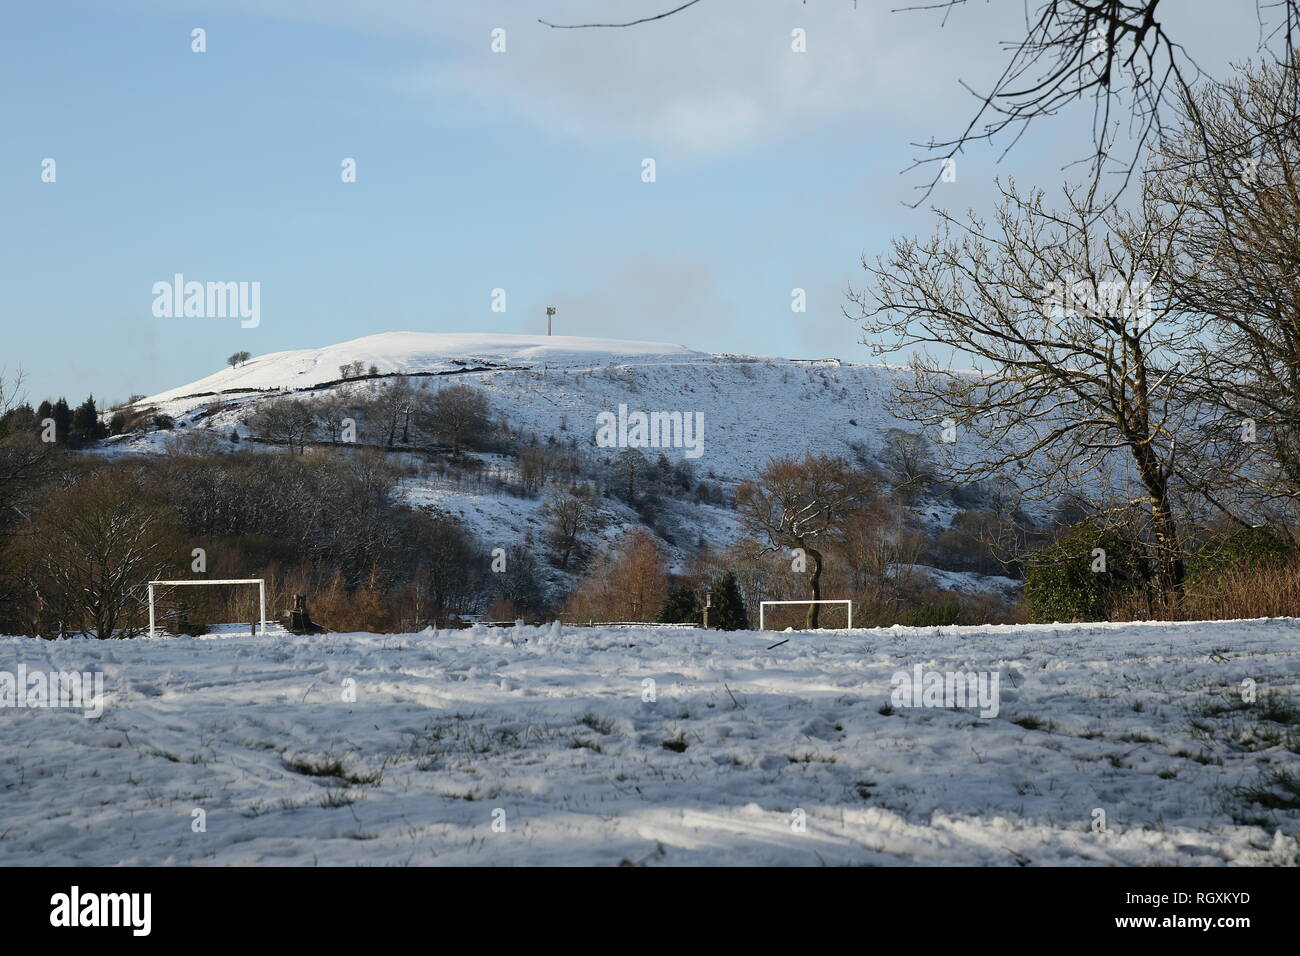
711 79
720 77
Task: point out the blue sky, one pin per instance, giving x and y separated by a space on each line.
476 170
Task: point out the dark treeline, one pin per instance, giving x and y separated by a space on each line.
331 527
57 421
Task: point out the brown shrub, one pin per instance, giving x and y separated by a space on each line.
1231 595
630 585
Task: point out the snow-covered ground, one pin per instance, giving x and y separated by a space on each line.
546 733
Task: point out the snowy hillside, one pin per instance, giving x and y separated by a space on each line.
553 391
753 408
426 352
548 732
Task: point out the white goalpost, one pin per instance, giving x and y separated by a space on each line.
762 608
261 587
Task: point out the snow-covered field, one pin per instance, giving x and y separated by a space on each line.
545 732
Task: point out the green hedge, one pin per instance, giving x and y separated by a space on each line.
1241 550
1061 585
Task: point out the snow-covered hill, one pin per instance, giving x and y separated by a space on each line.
555 390
427 352
753 408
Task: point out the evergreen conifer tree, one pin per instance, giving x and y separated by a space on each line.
680 607
728 611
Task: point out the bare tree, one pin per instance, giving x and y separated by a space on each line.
879 548
457 415
11 390
571 514
1086 368
393 404
99 543
290 422
332 411
449 561
25 462
519 583
1239 267
908 458
801 504
536 466
626 469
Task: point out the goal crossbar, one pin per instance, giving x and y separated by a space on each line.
260 582
762 608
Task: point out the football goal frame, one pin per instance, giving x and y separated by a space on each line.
260 582
762 609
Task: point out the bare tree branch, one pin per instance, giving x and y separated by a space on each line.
1115 52
630 23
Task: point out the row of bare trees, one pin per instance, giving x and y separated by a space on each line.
94 532
815 524
390 414
1150 352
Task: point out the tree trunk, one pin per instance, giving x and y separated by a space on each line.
815 587
1169 559
1169 556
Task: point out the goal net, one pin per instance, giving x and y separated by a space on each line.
778 615
261 596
